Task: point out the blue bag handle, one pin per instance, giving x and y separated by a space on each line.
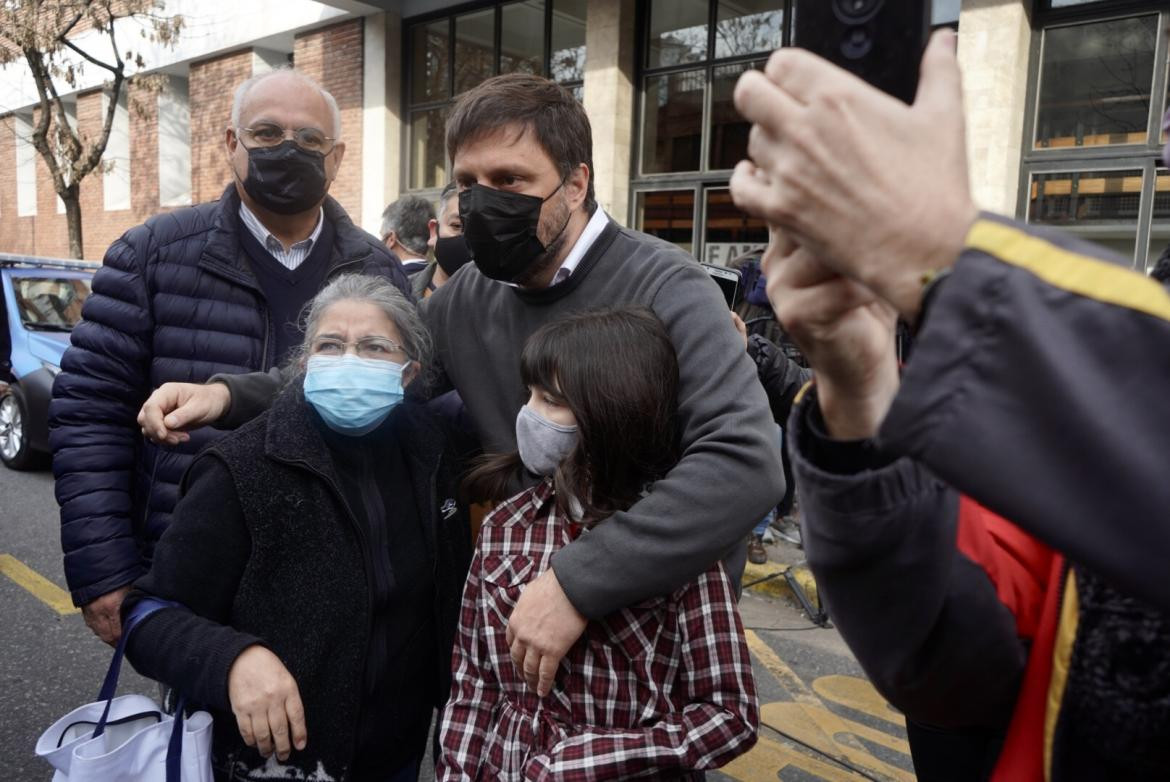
145 608
175 745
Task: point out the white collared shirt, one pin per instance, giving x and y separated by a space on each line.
588 236
292 257
592 230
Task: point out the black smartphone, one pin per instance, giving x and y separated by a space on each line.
727 280
881 41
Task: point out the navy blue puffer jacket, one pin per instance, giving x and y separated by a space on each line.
175 300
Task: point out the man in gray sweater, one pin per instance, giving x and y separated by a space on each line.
521 148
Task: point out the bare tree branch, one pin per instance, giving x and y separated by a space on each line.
40 32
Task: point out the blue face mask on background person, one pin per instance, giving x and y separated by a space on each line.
353 395
542 444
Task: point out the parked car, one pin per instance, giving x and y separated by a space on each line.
40 305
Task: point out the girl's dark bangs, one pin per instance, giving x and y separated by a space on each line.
538 361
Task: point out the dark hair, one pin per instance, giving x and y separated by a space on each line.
450 190
548 110
1161 270
409 217
617 371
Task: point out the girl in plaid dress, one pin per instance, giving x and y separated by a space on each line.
662 689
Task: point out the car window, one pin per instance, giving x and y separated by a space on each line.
50 303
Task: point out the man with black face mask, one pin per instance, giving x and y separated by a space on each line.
521 151
451 252
211 288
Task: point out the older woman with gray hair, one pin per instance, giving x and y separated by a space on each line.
318 553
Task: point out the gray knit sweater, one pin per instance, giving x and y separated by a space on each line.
730 473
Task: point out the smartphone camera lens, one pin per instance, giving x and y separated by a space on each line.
857 43
856 11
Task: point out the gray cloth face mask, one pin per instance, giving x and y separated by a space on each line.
543 444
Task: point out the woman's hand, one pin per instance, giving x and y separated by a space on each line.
267 703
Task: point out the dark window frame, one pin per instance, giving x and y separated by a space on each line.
1104 158
410 108
704 178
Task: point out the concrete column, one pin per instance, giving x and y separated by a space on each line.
994 43
609 99
381 117
265 60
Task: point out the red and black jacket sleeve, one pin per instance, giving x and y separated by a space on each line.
1039 387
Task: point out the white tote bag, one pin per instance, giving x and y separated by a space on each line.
128 738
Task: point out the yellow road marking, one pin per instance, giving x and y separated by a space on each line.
808 720
857 694
778 668
37 585
768 758
818 727
809 725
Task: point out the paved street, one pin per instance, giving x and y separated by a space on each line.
821 720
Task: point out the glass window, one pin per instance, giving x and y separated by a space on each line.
672 122
475 48
522 37
49 303
678 32
748 26
1099 205
728 232
1095 83
534 36
567 62
669 215
430 47
428 153
729 131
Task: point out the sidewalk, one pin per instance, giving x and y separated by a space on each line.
770 578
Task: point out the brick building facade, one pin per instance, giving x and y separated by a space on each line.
331 54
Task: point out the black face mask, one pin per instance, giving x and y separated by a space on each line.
500 230
452 253
286 179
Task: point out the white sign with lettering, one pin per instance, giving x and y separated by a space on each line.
721 254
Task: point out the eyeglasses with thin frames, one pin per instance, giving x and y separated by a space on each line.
378 348
267 134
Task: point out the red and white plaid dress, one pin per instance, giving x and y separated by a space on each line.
655 690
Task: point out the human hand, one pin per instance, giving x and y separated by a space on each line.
846 333
103 616
543 627
875 188
267 703
741 327
174 408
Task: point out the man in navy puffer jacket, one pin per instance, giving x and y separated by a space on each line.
208 289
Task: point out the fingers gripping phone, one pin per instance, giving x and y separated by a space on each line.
880 41
727 280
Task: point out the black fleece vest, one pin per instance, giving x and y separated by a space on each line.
304 591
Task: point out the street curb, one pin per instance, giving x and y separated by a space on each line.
777 586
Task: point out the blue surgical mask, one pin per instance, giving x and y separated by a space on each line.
542 444
353 395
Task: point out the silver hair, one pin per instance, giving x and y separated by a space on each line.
248 84
379 291
409 217
445 198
